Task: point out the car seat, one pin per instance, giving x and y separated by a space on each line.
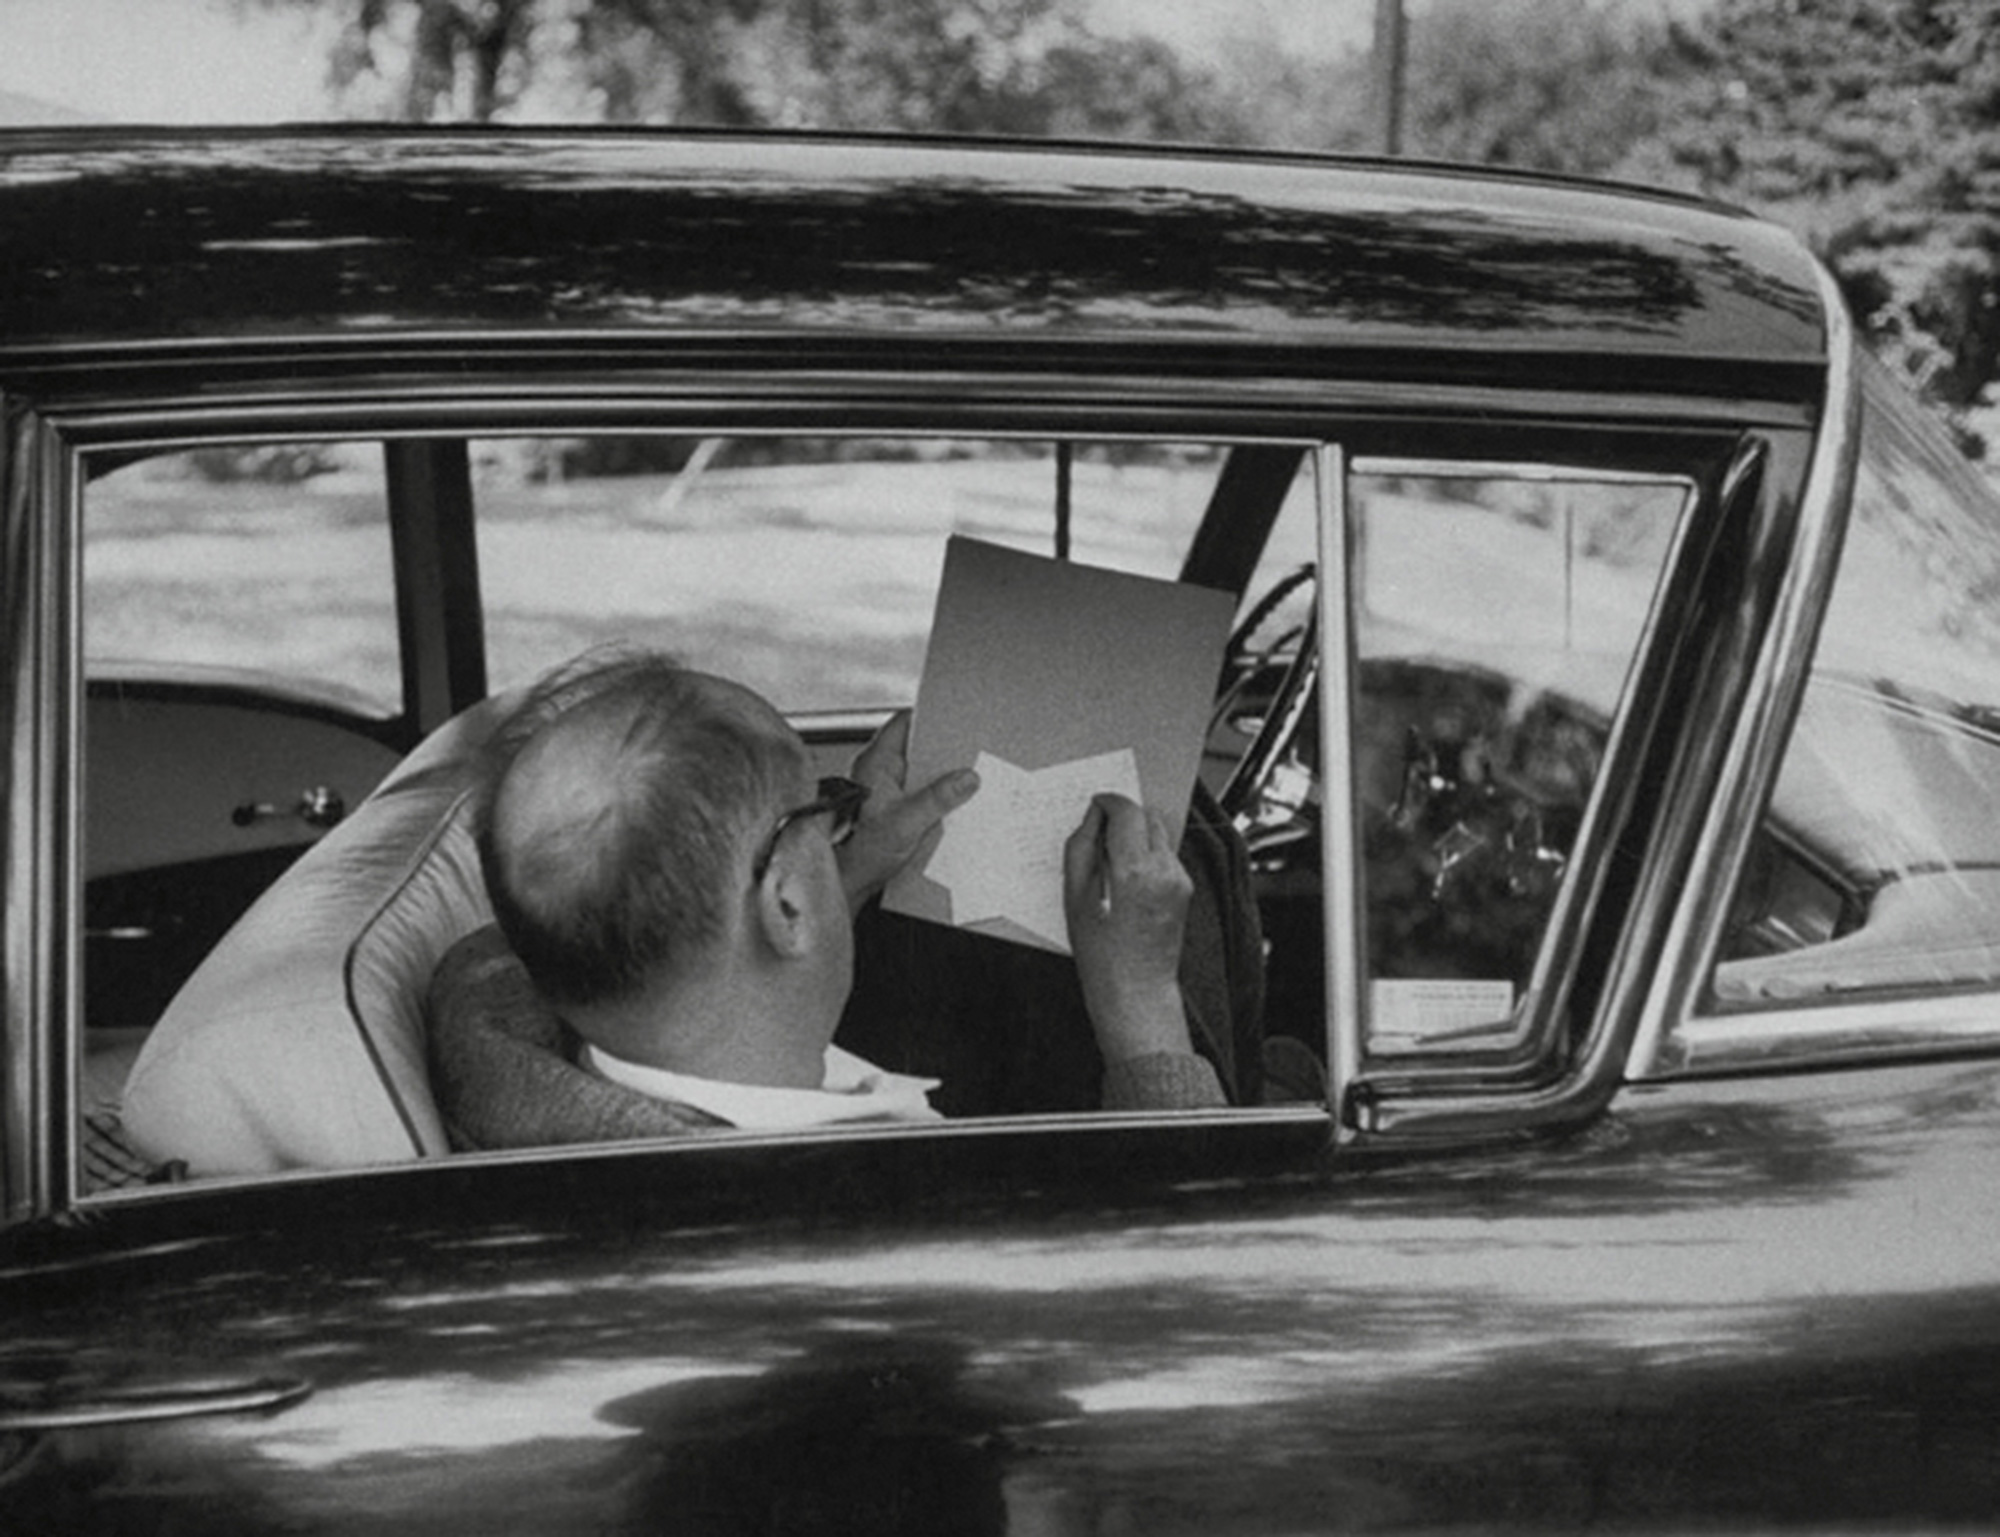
298 1042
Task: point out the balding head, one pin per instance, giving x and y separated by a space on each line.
617 831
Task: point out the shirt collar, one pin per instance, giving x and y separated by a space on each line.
853 1089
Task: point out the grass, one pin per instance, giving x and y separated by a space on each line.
811 583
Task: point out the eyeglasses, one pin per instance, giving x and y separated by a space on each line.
839 796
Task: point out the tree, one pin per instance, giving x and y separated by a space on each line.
1021 67
479 60
457 52
999 66
1541 84
1269 95
1552 85
1873 128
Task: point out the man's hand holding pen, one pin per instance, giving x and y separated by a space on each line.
1126 895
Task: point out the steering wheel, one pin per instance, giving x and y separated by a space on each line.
1268 792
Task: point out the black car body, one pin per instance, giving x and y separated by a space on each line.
1611 727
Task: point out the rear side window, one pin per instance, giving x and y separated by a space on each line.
241 659
268 561
804 567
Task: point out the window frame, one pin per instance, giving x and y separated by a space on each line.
43 1060
57 1107
1533 1045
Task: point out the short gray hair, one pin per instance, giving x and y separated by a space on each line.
624 883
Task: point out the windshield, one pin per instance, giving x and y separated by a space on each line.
1880 864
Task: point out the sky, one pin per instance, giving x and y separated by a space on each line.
187 61
164 61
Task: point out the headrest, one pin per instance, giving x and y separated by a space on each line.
298 1042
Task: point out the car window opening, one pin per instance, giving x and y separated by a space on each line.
802 568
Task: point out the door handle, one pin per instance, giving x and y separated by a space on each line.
138 1406
320 806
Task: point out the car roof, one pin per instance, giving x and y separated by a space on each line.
348 237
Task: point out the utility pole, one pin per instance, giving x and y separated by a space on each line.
1391 45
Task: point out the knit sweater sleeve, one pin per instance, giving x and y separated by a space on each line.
500 1063
1162 1080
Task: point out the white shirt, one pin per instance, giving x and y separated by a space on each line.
853 1089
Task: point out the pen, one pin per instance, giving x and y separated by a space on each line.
1104 865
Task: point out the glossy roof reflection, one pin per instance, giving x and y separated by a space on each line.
108 235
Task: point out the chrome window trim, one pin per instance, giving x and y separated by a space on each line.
630 394
20 865
42 925
54 1077
63 491
1302 1126
47 1073
1510 469
1520 1083
1836 1034
1343 921
1539 1011
174 428
1672 1038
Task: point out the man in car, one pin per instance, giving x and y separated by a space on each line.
676 903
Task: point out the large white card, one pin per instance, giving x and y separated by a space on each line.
1042 666
1001 855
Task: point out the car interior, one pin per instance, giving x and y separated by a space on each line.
296 651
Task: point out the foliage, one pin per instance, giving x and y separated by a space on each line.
974 66
460 55
280 464
1539 83
1267 94
1873 128
1551 85
1543 84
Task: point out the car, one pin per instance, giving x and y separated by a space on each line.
1610 733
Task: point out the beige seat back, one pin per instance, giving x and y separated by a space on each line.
298 1042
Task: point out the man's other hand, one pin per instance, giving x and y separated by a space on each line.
895 827
1126 895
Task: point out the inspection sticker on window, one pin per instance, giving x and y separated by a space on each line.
1433 1009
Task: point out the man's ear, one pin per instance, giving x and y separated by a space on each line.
785 919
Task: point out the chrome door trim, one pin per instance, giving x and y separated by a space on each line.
38 935
264 1395
1512 469
1525 1081
630 395
1343 923
1549 1090
1848 1033
1528 1049
21 853
1763 726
